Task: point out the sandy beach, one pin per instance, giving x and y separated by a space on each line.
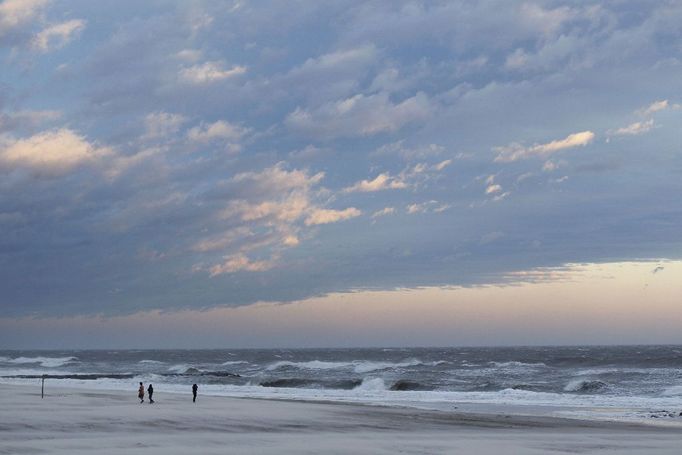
69 421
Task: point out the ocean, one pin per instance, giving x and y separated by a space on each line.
619 382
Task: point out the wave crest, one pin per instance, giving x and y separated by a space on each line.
515 364
372 384
585 385
357 366
47 362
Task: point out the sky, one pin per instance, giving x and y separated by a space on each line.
345 173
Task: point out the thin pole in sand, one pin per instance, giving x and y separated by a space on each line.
42 387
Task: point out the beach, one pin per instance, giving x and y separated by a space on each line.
72 420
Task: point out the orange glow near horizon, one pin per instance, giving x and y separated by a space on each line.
611 303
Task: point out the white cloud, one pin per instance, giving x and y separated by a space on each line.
16 13
516 60
290 240
514 152
268 210
326 216
287 209
56 36
209 72
51 152
275 180
501 196
550 166
442 165
333 62
635 128
425 207
492 189
383 212
415 208
380 182
411 177
218 130
223 240
360 115
524 176
653 108
158 124
189 55
240 262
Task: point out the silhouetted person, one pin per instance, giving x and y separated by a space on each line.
150 391
194 393
140 393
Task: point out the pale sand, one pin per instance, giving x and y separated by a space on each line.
70 421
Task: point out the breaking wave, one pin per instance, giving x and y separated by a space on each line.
357 366
187 370
312 383
372 384
47 362
585 385
516 364
311 365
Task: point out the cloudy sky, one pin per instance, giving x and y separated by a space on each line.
269 162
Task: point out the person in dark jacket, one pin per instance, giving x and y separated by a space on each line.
194 393
140 393
150 392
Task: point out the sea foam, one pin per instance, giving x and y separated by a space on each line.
47 362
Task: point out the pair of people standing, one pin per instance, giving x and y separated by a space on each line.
150 392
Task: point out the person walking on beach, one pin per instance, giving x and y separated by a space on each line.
194 393
140 393
150 392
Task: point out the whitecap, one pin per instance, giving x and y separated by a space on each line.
672 391
358 366
180 368
585 385
311 365
366 367
47 362
372 384
517 364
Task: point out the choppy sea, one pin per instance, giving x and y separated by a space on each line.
629 382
